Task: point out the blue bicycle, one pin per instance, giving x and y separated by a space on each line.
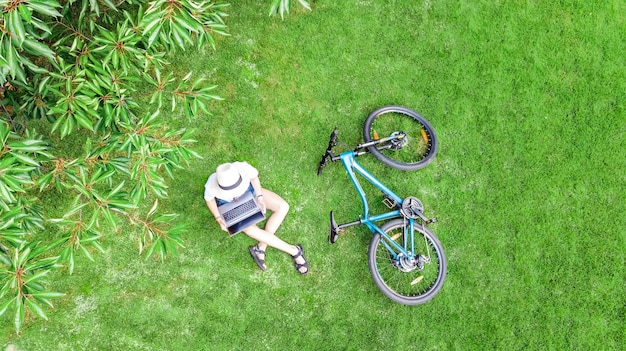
405 258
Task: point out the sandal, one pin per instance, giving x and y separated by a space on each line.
300 265
255 252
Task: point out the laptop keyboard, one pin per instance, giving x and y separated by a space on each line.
244 208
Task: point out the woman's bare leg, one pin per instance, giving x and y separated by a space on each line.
266 237
279 208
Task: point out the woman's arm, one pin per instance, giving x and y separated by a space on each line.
256 185
213 208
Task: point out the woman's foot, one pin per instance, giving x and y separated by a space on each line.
259 256
302 266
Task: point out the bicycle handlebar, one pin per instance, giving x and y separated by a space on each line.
395 139
329 151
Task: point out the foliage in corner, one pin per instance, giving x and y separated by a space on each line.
73 67
282 7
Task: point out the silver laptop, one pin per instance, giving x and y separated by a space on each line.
241 213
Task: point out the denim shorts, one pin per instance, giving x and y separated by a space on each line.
220 202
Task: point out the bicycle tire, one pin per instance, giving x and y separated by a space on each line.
422 142
408 287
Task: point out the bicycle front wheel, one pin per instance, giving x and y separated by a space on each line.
407 280
417 149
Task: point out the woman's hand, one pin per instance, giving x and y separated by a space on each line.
222 223
261 203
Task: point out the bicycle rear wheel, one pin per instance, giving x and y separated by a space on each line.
416 151
407 280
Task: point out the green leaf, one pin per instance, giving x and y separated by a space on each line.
305 4
6 306
39 24
190 23
20 258
36 308
28 145
155 33
154 24
165 218
14 23
48 294
13 183
151 250
96 245
6 193
19 314
75 209
84 121
38 49
25 159
110 4
25 12
153 209
87 253
45 7
70 261
4 259
68 126
11 57
108 215
46 263
274 7
36 277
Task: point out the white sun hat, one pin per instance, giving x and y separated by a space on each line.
227 182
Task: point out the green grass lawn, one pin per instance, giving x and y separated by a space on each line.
527 98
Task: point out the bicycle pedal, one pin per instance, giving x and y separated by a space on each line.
333 234
389 202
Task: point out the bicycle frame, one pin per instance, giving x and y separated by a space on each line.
353 168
